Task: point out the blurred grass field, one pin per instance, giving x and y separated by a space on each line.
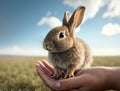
19 74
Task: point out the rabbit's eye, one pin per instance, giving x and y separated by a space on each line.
61 35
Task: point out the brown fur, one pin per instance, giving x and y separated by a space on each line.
68 53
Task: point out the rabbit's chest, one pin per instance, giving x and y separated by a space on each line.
61 62
66 59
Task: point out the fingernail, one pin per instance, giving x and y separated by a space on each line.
58 85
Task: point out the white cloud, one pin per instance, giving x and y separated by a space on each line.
106 52
111 29
113 9
50 21
92 6
53 22
15 50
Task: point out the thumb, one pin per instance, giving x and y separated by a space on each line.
68 84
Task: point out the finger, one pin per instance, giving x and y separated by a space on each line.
44 68
40 73
39 69
50 67
46 79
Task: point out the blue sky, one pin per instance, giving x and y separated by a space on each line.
25 23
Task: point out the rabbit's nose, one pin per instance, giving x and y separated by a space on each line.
49 46
45 45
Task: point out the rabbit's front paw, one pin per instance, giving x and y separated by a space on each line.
70 72
68 75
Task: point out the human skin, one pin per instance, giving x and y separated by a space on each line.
91 79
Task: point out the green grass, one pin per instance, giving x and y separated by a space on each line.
19 74
106 61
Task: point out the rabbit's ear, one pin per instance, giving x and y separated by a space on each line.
66 18
76 18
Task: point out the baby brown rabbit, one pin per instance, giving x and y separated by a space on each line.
66 52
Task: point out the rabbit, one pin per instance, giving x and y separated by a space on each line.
66 52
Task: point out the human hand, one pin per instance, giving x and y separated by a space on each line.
92 79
